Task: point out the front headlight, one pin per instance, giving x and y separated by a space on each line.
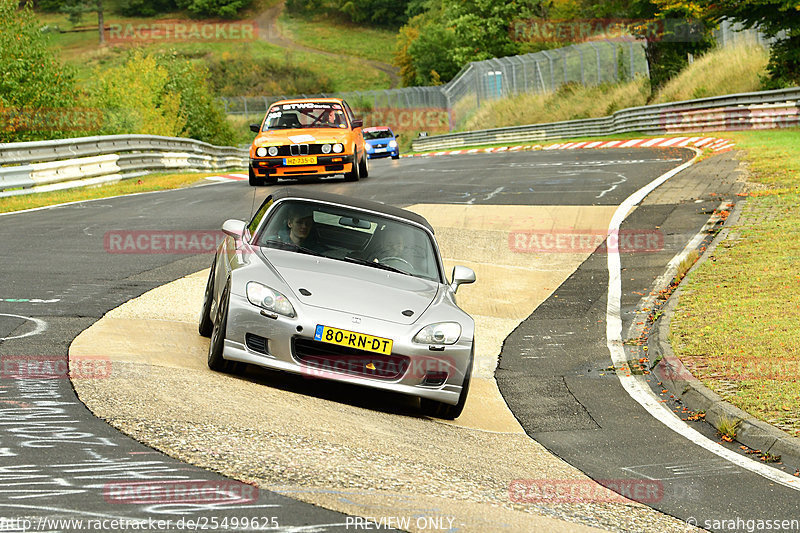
269 299
440 333
393 144
261 151
326 148
337 148
273 151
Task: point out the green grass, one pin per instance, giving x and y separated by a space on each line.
570 102
729 70
82 52
340 37
726 70
736 325
151 182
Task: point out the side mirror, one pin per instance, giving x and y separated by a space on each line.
255 128
234 228
358 123
462 275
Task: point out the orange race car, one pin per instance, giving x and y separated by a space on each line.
308 137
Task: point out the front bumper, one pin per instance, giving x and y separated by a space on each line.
390 152
326 165
437 375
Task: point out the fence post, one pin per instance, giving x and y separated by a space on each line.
244 99
552 75
597 55
616 59
633 62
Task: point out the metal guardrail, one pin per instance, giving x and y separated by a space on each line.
780 108
29 165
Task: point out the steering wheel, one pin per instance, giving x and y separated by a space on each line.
395 258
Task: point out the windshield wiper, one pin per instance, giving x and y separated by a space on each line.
374 264
288 246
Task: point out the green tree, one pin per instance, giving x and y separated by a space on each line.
205 118
779 19
673 29
37 92
136 97
214 8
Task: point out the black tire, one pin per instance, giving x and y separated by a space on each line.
253 179
355 174
363 168
206 325
215 360
396 156
446 411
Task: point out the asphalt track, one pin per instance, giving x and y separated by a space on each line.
58 276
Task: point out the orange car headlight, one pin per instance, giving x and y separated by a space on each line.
338 148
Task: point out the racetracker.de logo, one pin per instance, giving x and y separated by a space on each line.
560 31
432 119
585 490
183 31
50 119
161 242
54 367
432 370
580 241
202 492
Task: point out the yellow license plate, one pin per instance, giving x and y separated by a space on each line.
351 339
305 160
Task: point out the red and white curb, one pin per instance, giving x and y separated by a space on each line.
713 143
228 177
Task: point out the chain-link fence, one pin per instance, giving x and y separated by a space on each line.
588 63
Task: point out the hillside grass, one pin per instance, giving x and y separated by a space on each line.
81 51
570 102
340 37
736 325
728 70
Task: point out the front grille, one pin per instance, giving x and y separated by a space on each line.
256 343
332 358
378 145
298 149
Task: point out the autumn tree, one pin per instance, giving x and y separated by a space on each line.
777 19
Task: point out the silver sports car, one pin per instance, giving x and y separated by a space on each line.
338 288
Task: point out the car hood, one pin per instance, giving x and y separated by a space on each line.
360 290
304 136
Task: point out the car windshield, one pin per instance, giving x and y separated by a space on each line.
377 134
305 115
350 235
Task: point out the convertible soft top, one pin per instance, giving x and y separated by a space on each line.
378 207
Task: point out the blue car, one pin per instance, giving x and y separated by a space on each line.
381 142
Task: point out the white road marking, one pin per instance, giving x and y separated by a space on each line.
40 326
637 390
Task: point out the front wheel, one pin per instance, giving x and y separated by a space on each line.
446 411
215 348
206 326
363 168
355 173
253 180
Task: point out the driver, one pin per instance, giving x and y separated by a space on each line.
299 226
392 245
